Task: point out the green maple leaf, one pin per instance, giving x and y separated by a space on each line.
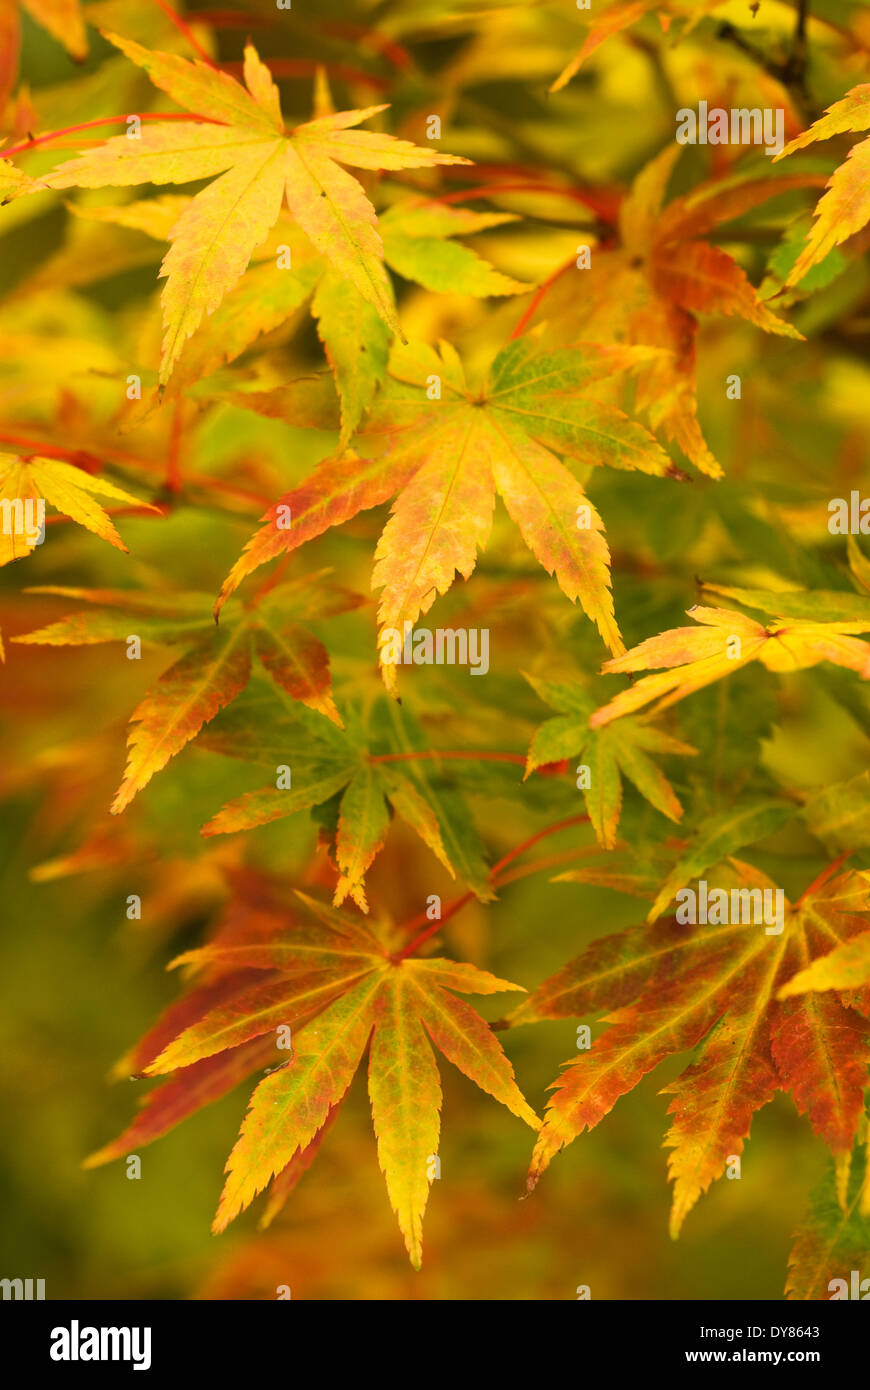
833 1239
620 750
355 767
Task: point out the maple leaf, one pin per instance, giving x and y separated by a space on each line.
678 276
725 641
673 987
365 771
652 285
807 605
215 665
420 245
610 755
337 987
845 208
838 813
448 454
244 140
832 1241
25 481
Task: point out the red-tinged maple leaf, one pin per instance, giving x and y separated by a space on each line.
215 665
447 450
725 641
845 208
339 990
718 987
25 483
260 162
651 287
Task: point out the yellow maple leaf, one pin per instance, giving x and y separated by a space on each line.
241 136
27 483
845 207
697 656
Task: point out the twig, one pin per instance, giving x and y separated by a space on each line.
495 871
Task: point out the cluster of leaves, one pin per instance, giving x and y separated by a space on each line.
576 398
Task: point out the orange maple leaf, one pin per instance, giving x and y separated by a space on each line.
674 986
333 983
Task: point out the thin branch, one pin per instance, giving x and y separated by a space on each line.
823 877
450 911
467 754
553 861
791 71
534 839
173 464
184 28
103 120
93 463
532 307
494 873
795 67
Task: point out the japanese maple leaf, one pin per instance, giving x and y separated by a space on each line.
718 988
26 482
447 450
243 138
367 773
845 208
651 287
338 988
609 755
215 665
722 643
833 1240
